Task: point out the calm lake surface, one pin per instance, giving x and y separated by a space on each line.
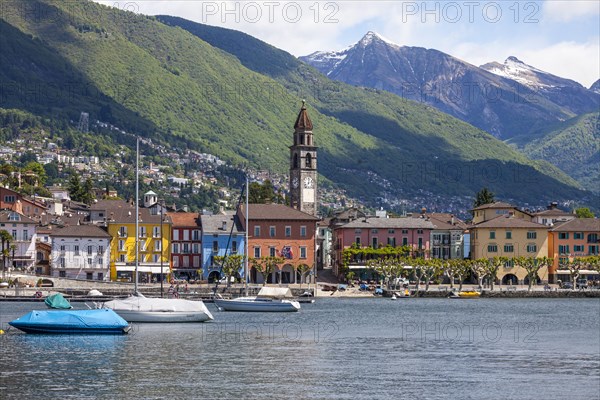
333 349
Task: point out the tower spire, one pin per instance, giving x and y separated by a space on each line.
303 121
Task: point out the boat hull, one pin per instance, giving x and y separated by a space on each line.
144 309
252 305
163 317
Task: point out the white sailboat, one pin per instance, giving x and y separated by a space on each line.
269 299
138 308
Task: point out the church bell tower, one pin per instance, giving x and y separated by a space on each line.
303 166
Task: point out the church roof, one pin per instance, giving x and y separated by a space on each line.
303 121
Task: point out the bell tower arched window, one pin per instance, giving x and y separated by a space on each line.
308 160
295 160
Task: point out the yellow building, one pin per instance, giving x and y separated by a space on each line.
489 211
510 236
154 243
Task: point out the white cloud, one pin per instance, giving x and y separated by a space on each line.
335 25
570 10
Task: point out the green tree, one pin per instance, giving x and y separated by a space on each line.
74 186
230 265
480 268
492 268
484 196
39 171
584 212
87 192
6 238
27 157
266 265
265 193
303 269
51 171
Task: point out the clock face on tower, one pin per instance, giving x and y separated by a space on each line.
295 182
308 182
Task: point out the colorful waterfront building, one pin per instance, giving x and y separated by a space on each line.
186 244
80 252
276 230
154 238
222 234
21 249
376 232
508 235
553 215
448 236
576 238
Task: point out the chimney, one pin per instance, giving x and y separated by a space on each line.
224 225
423 210
452 220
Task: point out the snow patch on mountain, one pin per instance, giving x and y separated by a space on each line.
595 87
517 70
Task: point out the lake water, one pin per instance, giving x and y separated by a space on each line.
333 349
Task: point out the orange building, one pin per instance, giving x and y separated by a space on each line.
578 237
279 231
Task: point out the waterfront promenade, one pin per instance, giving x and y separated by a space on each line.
80 288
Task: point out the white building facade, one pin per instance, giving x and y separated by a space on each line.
21 249
81 252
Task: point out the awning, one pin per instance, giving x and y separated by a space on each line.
581 272
144 268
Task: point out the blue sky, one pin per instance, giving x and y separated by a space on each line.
561 37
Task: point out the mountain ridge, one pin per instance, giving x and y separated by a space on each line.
495 103
200 96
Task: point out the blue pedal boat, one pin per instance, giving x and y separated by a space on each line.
101 321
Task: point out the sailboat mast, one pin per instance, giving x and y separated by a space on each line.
246 239
137 210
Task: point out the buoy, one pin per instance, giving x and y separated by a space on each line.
1 332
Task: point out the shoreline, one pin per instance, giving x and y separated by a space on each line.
205 294
77 290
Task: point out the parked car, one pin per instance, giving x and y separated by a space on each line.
581 284
566 285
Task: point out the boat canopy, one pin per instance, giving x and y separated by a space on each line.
275 292
140 303
73 319
57 300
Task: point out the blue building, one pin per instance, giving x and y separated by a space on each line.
221 233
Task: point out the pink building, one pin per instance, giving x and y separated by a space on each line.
380 232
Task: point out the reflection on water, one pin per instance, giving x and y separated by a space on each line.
333 349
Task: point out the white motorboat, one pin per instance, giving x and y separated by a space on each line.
269 299
143 309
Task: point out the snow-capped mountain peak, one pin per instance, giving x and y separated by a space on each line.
328 61
371 36
525 74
